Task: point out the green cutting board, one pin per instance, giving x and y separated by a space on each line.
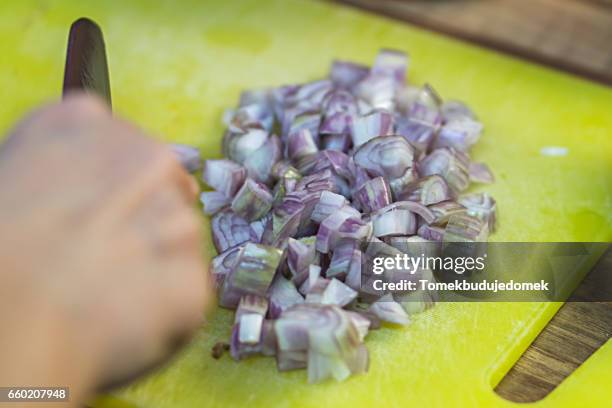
176 65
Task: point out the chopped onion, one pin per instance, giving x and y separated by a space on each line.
393 220
300 255
451 164
295 217
431 233
444 210
337 293
229 230
239 146
453 109
345 74
374 124
225 176
251 304
214 201
259 164
252 273
391 63
459 133
253 201
480 173
300 144
465 228
420 134
374 194
427 190
283 294
387 156
388 310
482 206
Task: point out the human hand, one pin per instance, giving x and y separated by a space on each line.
101 270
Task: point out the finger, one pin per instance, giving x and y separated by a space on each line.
186 183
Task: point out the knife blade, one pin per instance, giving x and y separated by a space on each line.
86 66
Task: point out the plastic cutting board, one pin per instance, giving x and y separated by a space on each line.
175 66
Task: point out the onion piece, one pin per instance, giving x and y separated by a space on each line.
480 173
300 255
252 273
341 259
337 293
393 220
314 283
307 121
353 276
374 124
214 201
332 160
328 203
420 134
352 229
283 295
450 164
361 322
444 210
453 109
329 227
459 133
374 194
300 144
225 176
426 106
465 228
259 164
391 63
341 142
286 219
229 230
223 263
399 184
388 310
239 146
345 74
252 201
481 206
387 156
284 169
259 226
249 331
188 156
252 115
377 92
427 190
431 233
251 304
422 211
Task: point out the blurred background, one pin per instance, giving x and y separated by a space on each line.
571 35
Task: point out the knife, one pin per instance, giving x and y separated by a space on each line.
86 67
87 70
